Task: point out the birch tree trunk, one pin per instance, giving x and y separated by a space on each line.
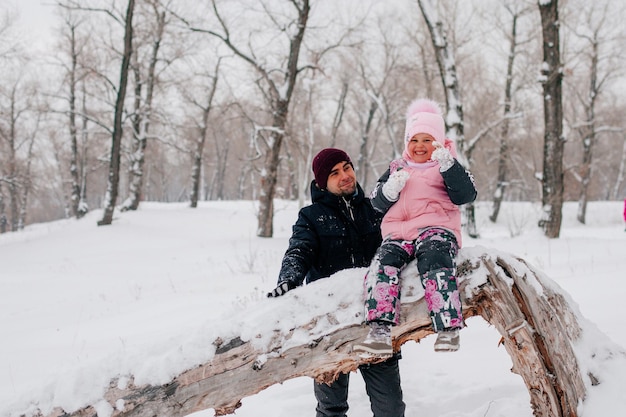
83 207
75 193
143 113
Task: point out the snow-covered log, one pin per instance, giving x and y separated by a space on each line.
540 327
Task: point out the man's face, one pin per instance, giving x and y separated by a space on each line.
342 179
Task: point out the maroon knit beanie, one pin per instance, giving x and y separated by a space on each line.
324 162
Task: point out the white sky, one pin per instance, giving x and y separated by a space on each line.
36 18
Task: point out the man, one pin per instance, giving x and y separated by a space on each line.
339 230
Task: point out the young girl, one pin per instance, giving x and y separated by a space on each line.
419 194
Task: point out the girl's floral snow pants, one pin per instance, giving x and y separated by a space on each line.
434 249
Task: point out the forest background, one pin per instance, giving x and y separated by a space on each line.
229 100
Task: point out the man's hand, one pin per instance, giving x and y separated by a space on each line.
395 184
281 289
442 156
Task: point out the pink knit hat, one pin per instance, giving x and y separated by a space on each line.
424 116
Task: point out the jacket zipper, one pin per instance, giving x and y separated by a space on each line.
351 215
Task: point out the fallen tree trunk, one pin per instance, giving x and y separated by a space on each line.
536 321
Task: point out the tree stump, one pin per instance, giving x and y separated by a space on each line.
533 316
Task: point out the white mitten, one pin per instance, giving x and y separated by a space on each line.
442 156
395 184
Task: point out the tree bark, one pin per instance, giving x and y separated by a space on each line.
363 158
503 155
552 77
74 155
3 214
339 112
589 130
12 176
621 173
83 207
116 141
198 154
537 325
143 114
279 105
27 182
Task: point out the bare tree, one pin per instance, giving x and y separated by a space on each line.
20 116
3 214
382 76
377 89
7 148
76 196
143 105
219 182
366 120
27 182
300 149
75 77
9 48
516 11
80 151
286 121
339 112
203 131
552 77
277 92
446 62
454 105
600 64
116 140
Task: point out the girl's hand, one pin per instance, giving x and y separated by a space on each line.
391 189
442 156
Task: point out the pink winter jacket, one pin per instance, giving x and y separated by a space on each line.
423 202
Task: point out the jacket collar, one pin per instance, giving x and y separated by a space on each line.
326 197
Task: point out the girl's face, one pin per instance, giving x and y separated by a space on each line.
420 147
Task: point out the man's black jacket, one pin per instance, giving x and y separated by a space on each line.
331 234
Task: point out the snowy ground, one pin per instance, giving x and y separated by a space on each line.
145 296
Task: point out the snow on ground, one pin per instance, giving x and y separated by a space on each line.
147 295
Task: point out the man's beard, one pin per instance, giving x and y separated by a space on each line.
348 192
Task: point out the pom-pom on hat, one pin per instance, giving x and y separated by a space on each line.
324 162
424 116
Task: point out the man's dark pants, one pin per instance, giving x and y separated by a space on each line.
382 383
